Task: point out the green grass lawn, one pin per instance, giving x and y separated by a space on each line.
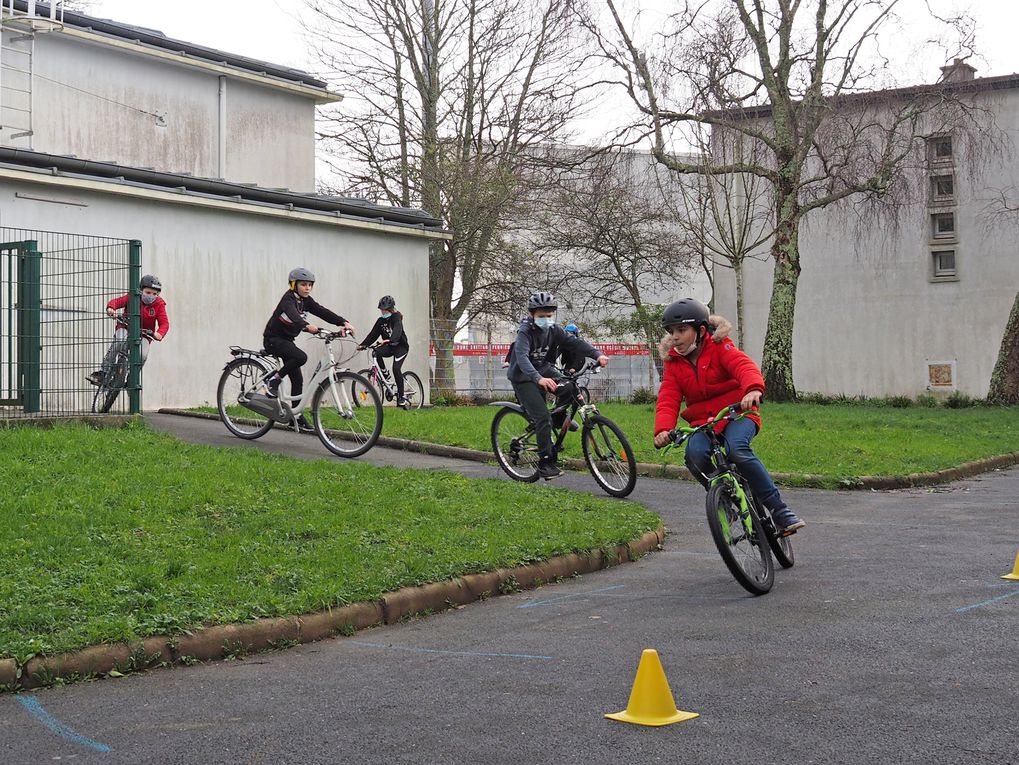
117 534
834 440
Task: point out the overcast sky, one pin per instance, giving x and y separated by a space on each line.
270 30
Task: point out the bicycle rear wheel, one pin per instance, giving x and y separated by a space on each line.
114 380
741 543
515 445
413 391
781 546
347 425
241 378
608 456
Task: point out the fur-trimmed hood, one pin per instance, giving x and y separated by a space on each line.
720 328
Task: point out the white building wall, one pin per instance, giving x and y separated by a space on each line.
224 272
100 102
869 317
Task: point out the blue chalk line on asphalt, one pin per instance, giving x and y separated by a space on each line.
454 653
558 598
992 600
34 708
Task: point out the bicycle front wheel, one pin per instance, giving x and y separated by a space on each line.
241 378
515 445
348 425
114 380
740 541
608 456
413 391
359 388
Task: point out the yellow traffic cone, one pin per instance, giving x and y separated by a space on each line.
1014 576
651 701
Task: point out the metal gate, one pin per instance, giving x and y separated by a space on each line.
54 330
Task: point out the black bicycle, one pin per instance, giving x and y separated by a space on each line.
607 451
742 527
115 368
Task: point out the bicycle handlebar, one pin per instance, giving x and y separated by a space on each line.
122 318
680 434
329 335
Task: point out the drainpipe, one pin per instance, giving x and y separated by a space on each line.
222 127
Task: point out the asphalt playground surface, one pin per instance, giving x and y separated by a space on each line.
892 640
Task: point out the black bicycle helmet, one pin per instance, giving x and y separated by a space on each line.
300 275
544 300
685 311
152 282
387 303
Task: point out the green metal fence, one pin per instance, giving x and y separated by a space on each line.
54 330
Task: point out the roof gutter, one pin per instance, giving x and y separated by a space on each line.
346 206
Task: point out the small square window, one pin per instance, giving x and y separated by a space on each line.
944 263
939 148
943 225
942 187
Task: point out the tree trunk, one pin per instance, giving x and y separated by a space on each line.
1005 377
444 376
777 361
737 268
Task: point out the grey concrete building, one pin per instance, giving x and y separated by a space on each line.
913 302
132 135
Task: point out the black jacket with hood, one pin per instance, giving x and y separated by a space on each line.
535 350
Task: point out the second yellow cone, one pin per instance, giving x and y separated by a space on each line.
651 701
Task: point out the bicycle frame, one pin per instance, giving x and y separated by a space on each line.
725 470
324 369
375 375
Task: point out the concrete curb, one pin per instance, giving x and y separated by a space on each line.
653 470
234 640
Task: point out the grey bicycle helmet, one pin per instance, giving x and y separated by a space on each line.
152 282
544 300
300 275
387 303
685 311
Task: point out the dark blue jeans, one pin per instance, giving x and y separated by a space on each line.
737 435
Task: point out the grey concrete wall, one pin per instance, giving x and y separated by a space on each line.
101 103
223 273
869 317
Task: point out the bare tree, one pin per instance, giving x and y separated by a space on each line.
725 218
443 100
794 79
1004 385
610 226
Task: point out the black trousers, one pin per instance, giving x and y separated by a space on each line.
532 399
399 354
293 359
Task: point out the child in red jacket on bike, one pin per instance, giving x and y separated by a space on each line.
710 376
153 320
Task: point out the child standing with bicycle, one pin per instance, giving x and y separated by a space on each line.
154 322
709 376
285 324
389 326
532 373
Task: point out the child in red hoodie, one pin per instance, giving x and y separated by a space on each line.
153 319
710 376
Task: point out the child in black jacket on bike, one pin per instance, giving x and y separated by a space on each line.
539 343
285 324
389 326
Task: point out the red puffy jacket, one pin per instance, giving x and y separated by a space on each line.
153 316
723 376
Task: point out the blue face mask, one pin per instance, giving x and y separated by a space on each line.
544 322
386 315
149 299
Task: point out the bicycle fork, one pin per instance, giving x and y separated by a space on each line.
742 505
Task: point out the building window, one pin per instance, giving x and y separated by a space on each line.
944 263
943 225
942 187
939 149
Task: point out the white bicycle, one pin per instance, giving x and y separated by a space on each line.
413 390
346 428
